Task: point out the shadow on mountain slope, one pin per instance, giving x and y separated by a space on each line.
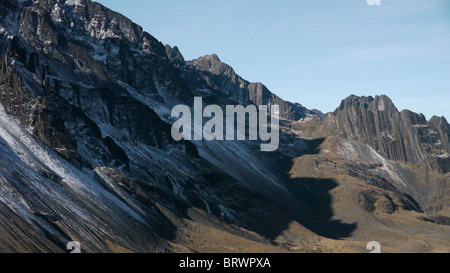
269 210
313 195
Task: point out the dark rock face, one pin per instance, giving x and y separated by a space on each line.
441 126
404 136
86 152
93 91
59 70
175 56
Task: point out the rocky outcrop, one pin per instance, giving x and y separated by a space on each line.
174 55
86 152
93 91
404 136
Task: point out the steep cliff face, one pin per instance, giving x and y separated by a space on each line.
86 152
60 110
440 150
175 56
65 124
86 96
404 136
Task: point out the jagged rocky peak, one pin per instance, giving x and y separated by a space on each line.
384 103
76 18
405 136
213 64
378 103
355 101
440 121
174 55
64 50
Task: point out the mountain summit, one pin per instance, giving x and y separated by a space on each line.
404 136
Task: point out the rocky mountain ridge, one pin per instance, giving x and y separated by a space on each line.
403 136
86 152
221 76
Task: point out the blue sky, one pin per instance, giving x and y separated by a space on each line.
315 52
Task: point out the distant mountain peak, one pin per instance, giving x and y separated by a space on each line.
380 103
405 136
213 64
439 120
210 57
174 55
384 103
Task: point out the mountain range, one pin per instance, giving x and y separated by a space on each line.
86 152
